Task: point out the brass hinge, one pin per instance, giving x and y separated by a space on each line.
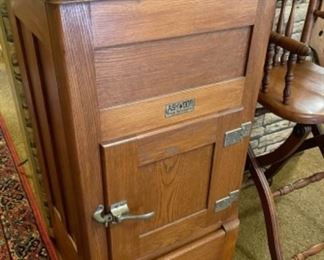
237 135
227 201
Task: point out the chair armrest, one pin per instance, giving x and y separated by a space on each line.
290 44
319 14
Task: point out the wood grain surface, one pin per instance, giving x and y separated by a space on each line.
75 73
207 248
147 20
140 71
115 66
150 114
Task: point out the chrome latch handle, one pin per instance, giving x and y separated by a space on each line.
135 217
100 216
118 213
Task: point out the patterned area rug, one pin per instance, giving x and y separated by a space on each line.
22 232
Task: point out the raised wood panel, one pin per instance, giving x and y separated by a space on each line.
39 77
153 147
33 78
138 117
49 87
120 22
208 248
178 186
182 187
124 180
136 72
175 235
33 15
63 240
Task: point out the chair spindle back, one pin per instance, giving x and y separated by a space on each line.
287 52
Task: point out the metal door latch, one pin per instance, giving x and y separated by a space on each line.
226 202
238 134
118 213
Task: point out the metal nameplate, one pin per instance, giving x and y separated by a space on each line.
180 107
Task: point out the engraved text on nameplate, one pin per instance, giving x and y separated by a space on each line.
179 108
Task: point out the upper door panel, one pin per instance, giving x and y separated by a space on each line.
145 20
140 71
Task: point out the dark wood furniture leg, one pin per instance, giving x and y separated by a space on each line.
318 133
299 184
268 206
278 158
282 154
288 148
317 141
314 250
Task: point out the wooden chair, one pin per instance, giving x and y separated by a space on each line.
317 41
292 88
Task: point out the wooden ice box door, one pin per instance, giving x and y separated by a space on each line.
178 173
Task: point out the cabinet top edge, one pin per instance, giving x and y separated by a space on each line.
61 2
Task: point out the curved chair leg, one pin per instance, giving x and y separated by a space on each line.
317 132
268 206
316 141
288 148
300 133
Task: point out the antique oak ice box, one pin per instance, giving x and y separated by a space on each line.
143 110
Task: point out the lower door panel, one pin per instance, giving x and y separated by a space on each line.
210 247
174 173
